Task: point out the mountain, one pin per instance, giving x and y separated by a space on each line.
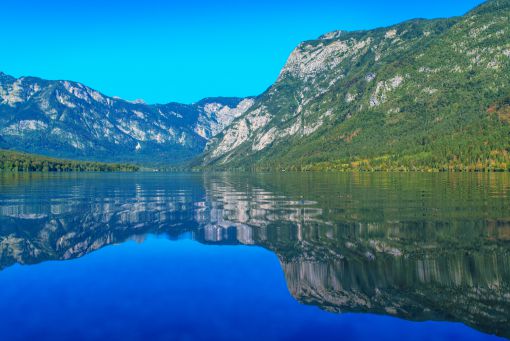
423 94
68 119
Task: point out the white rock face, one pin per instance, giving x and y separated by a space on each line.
234 137
383 88
139 114
475 32
241 130
217 117
258 118
350 97
292 130
183 139
24 126
429 90
132 129
390 34
428 70
370 77
13 95
97 96
201 131
493 65
331 35
308 60
69 138
77 91
310 129
265 140
395 82
85 93
65 100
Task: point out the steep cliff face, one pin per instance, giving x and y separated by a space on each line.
416 93
68 119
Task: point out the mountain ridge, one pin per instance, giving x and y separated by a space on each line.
420 81
424 94
71 120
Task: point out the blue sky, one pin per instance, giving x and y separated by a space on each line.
182 51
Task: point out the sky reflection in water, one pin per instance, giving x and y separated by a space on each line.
227 256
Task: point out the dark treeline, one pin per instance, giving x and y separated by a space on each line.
11 161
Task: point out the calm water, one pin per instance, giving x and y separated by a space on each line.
241 257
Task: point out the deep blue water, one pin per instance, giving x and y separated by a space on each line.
230 257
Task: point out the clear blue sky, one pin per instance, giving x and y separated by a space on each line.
164 51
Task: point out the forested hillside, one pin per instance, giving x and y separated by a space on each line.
11 161
421 95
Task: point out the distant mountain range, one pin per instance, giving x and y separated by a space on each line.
68 119
423 94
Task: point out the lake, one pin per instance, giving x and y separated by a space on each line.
228 256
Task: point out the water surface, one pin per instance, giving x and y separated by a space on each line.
263 256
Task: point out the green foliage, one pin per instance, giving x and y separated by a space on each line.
11 161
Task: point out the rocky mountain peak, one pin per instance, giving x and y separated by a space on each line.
69 119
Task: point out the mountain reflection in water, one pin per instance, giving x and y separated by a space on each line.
415 246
